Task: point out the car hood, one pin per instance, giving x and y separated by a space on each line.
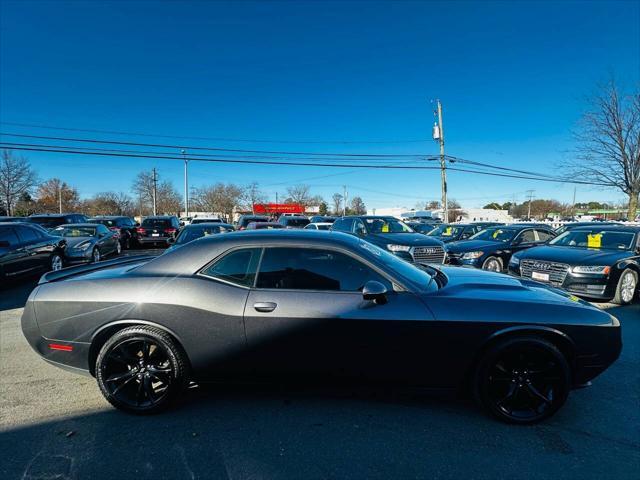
73 242
412 239
574 255
473 245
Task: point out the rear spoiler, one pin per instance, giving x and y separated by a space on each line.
91 267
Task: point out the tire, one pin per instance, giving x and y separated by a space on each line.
493 264
626 288
522 380
95 255
126 245
55 262
118 248
141 370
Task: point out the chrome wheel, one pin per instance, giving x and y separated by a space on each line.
95 256
627 286
56 263
118 248
492 264
137 372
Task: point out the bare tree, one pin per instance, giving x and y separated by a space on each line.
219 198
608 139
251 196
337 203
358 207
110 203
54 195
168 200
299 194
16 177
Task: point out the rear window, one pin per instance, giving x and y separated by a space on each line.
237 267
156 223
105 222
9 235
296 222
47 222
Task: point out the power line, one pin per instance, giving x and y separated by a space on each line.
301 164
221 139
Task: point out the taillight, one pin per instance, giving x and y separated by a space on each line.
169 230
63 348
141 230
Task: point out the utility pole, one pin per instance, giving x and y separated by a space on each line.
59 197
573 205
155 190
186 183
530 194
438 136
344 199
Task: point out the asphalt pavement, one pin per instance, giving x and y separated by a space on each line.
55 424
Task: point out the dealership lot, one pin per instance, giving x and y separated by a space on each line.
55 424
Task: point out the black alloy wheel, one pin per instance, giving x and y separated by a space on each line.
141 370
523 380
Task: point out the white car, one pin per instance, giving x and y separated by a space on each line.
318 226
207 219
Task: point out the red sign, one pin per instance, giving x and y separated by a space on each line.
265 208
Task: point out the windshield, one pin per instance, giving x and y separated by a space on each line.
446 231
386 225
47 222
74 231
596 238
495 235
192 233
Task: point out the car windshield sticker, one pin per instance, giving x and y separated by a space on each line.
447 232
496 233
385 228
594 240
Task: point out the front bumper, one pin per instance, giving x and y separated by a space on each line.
77 257
587 285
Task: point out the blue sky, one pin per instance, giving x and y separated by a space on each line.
512 77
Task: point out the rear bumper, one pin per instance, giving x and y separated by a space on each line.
588 365
151 240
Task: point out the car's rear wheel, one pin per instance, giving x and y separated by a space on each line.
118 248
522 380
95 255
492 264
141 370
56 262
626 288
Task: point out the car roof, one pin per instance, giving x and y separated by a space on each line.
85 224
53 215
618 227
159 217
207 224
109 217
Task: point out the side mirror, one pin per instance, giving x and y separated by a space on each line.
375 291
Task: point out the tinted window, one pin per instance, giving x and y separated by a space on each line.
527 236
596 238
156 223
314 269
238 267
8 235
386 225
358 227
28 235
544 235
190 233
495 234
102 229
343 225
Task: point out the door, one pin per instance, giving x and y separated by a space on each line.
35 254
306 317
13 256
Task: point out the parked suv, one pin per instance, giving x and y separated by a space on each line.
158 230
53 220
293 221
395 236
245 220
28 249
125 226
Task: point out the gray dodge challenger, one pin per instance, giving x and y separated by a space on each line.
315 306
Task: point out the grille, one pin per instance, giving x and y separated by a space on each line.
557 271
428 254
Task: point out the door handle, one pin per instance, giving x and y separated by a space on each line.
265 306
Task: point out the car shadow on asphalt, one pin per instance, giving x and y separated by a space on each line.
15 295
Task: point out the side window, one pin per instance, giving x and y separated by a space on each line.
527 237
237 267
343 225
9 235
358 227
544 235
102 229
28 235
314 269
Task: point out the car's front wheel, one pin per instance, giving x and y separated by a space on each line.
95 255
492 264
118 248
55 263
141 370
522 380
626 288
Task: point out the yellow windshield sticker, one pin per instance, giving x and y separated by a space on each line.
447 232
594 240
385 228
496 233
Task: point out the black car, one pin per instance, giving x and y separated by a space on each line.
158 230
451 232
53 220
322 219
87 242
422 227
394 236
492 248
572 225
597 262
245 220
28 249
315 307
194 231
293 222
125 226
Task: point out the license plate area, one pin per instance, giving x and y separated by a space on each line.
541 277
155 234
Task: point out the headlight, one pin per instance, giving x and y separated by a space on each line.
602 270
398 248
472 255
82 246
514 261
